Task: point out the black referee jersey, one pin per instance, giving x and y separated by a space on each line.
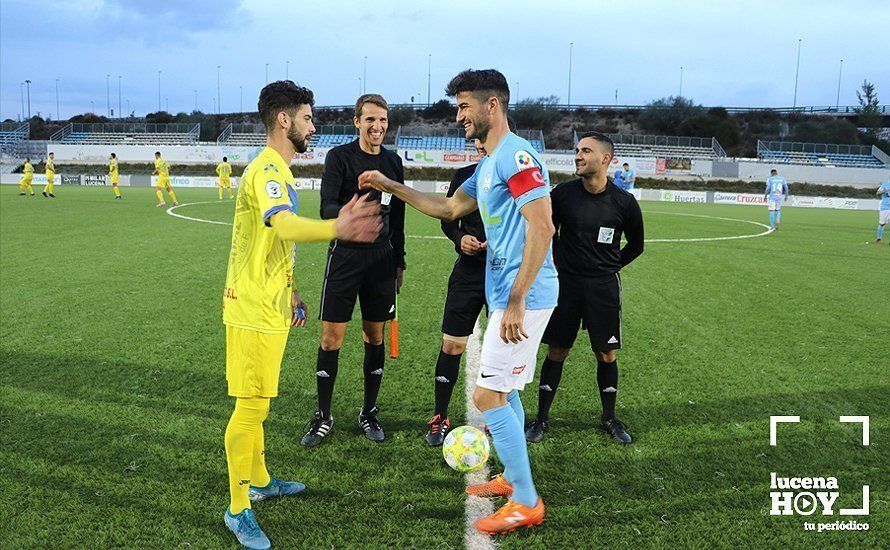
589 229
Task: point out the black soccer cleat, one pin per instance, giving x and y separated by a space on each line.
44 194
534 430
616 430
21 194
367 421
51 195
438 430
318 428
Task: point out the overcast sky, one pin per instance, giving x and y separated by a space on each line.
733 53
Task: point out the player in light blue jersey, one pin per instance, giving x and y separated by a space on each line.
618 179
511 189
884 214
776 193
628 177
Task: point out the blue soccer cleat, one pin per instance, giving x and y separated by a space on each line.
276 488
247 530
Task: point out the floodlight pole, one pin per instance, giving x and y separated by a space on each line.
240 99
196 100
57 99
267 73
108 95
837 104
365 76
429 76
797 72
119 104
571 46
28 85
287 70
22 90
159 90
681 81
218 100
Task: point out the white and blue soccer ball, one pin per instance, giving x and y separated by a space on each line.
465 448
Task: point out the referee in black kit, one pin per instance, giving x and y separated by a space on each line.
590 215
463 303
370 272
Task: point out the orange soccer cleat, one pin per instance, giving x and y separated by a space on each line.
495 487
512 516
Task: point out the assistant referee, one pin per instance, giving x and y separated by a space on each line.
590 214
371 273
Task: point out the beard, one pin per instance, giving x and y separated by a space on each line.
481 131
301 143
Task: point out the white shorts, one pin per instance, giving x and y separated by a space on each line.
884 217
508 367
774 205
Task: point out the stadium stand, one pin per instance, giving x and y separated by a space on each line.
12 133
451 139
822 154
644 145
255 135
128 133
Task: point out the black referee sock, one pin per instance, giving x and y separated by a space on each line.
375 357
325 375
607 378
551 374
447 368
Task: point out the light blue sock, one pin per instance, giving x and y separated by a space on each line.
772 218
509 443
516 403
778 216
880 231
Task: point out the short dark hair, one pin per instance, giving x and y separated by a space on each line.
282 95
113 156
773 170
157 153
625 164
482 82
225 159
602 138
51 153
373 99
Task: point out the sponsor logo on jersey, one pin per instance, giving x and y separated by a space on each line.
523 160
273 189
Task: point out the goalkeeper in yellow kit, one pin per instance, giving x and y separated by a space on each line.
260 303
162 170
50 176
113 175
27 178
224 170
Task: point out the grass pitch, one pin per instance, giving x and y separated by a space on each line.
113 399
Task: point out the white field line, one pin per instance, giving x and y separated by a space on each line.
172 212
475 507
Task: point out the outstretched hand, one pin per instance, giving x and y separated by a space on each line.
359 220
372 179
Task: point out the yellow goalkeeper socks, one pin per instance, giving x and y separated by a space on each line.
160 196
172 195
117 192
244 428
219 192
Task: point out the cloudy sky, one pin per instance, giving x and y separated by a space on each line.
732 53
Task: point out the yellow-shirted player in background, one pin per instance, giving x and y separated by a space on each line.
50 176
260 303
162 170
27 178
113 175
224 170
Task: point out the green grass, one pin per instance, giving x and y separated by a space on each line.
113 400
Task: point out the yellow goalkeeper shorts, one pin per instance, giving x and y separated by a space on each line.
253 361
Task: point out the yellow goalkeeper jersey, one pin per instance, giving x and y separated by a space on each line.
112 170
259 278
223 170
163 168
50 165
28 169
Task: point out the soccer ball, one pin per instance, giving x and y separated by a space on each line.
465 448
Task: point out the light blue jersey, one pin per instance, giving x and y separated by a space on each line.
507 179
619 178
628 178
776 188
885 196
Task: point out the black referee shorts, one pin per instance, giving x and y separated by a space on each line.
359 271
465 299
593 303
